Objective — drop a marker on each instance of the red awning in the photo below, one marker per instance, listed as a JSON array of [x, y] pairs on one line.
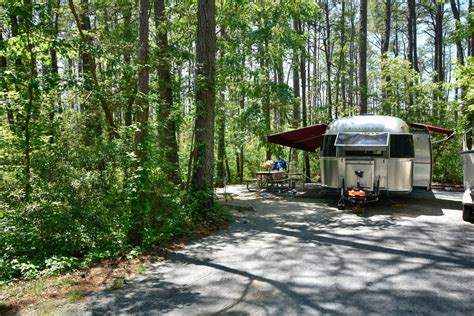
[[306, 138], [434, 129]]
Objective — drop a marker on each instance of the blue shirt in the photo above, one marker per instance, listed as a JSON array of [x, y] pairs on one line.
[[279, 164]]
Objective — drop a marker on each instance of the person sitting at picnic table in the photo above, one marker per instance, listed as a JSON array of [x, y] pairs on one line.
[[279, 164]]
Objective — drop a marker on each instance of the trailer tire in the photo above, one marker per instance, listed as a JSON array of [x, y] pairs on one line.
[[341, 205], [467, 213]]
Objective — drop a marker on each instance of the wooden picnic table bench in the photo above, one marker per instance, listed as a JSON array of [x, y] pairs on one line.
[[248, 181]]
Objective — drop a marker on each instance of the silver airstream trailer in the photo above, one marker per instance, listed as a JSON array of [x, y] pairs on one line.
[[362, 156], [467, 157]]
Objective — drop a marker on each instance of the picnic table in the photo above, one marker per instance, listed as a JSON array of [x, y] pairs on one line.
[[268, 178]]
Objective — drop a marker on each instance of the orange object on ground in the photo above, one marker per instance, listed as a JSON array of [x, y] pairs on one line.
[[357, 193]]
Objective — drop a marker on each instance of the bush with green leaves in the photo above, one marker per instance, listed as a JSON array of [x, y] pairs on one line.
[[80, 209]]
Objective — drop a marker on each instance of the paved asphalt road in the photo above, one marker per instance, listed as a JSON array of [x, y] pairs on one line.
[[295, 256]]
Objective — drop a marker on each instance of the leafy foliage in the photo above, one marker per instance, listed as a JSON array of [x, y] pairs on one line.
[[69, 188]]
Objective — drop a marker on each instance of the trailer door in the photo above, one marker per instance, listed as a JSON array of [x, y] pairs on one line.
[[422, 170]]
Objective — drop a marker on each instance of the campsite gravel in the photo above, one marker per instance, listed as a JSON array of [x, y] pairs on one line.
[[296, 255]]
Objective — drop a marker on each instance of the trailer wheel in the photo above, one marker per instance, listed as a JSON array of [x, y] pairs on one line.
[[467, 213], [340, 203]]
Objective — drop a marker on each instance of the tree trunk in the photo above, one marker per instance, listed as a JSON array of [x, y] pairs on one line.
[[3, 67], [237, 164], [227, 170], [29, 106], [396, 48], [303, 88], [471, 40], [309, 86], [266, 96], [296, 93], [296, 82], [281, 82], [85, 26], [340, 75], [221, 121], [142, 202], [241, 110], [388, 15], [438, 57], [18, 65], [167, 127], [468, 114], [315, 89], [363, 57], [54, 63], [88, 62], [412, 49], [128, 76], [353, 58], [385, 46], [414, 17], [459, 49], [203, 162], [410, 38], [438, 28], [410, 35], [143, 76], [221, 146], [328, 54], [55, 26], [304, 107]]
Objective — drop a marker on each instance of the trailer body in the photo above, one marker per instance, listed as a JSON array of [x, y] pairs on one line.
[[388, 156], [467, 158], [362, 156]]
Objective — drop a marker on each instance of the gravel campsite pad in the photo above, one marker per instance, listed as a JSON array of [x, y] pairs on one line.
[[289, 255]]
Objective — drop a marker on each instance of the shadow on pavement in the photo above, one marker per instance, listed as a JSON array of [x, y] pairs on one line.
[[143, 296], [288, 256], [417, 203]]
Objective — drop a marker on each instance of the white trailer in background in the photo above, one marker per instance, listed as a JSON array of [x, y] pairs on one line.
[[467, 157]]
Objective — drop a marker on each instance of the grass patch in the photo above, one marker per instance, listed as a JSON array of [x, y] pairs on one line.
[[118, 284], [75, 295], [15, 291], [139, 269], [48, 308]]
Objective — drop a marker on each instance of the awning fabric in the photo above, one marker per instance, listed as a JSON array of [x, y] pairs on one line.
[[306, 138], [435, 129]]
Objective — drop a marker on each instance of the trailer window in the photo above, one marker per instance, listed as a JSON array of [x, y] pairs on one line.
[[327, 148], [362, 139], [401, 146]]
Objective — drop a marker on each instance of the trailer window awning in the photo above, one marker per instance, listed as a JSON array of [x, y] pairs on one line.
[[434, 129], [306, 138]]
